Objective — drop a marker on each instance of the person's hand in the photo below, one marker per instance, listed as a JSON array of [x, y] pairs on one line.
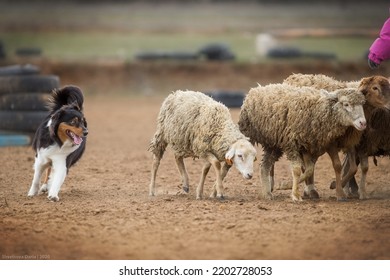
[[372, 64]]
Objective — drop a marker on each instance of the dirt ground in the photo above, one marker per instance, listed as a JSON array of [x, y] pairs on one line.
[[105, 211]]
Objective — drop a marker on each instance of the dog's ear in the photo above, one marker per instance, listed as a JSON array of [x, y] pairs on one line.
[[75, 106], [53, 122]]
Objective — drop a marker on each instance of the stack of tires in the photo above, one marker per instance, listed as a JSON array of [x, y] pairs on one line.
[[23, 96]]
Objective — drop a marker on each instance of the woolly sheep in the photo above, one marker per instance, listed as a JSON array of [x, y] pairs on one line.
[[196, 126], [375, 142], [300, 122], [319, 81], [376, 90]]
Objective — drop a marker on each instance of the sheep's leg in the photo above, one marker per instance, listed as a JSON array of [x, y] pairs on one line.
[[224, 171], [155, 165], [333, 154], [308, 176], [183, 173], [350, 187], [352, 184], [266, 168], [353, 187], [217, 167], [349, 169], [309, 168], [345, 168], [310, 188], [199, 189], [362, 186], [272, 177], [296, 168]]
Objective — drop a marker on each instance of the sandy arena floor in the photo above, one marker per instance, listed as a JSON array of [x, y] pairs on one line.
[[105, 211]]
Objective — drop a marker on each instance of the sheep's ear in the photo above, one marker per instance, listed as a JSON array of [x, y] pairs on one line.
[[229, 156], [333, 96]]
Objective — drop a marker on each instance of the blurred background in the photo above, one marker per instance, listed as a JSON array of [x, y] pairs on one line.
[[155, 46]]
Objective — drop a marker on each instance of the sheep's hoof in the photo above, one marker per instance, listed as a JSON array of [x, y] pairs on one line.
[[342, 199], [186, 189], [312, 194], [267, 196], [363, 196], [332, 185], [353, 194], [296, 198]]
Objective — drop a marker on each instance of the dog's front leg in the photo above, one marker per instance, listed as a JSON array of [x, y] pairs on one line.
[[58, 174], [39, 167]]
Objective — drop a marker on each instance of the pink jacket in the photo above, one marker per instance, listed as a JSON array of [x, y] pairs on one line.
[[380, 49]]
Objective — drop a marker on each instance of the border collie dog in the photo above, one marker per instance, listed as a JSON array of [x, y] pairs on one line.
[[59, 141]]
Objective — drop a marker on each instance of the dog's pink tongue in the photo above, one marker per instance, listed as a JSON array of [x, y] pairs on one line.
[[77, 140]]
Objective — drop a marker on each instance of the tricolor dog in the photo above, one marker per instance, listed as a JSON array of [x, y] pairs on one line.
[[59, 141]]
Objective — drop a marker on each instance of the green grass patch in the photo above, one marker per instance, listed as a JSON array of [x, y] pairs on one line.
[[124, 46]]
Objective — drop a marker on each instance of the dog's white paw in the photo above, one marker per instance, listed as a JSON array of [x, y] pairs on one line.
[[32, 192], [44, 188], [53, 198]]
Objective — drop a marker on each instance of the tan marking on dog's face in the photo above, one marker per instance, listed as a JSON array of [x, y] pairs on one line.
[[63, 127]]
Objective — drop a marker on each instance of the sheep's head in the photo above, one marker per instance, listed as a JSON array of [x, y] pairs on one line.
[[376, 89], [242, 154], [349, 103]]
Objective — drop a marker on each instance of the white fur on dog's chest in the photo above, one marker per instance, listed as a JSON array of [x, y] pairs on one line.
[[56, 152]]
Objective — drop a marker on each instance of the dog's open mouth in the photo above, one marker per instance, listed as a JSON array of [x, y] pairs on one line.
[[77, 140]]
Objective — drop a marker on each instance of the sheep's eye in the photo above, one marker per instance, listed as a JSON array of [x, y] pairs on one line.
[[375, 88], [346, 104], [240, 156]]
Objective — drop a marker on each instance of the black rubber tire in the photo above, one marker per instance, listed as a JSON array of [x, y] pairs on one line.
[[2, 51], [217, 52], [28, 83], [26, 69], [231, 99], [24, 101], [21, 121], [166, 56]]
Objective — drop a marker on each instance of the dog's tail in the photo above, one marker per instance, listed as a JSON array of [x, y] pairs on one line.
[[69, 95]]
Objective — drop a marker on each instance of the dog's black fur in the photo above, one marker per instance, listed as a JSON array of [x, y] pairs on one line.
[[59, 141], [64, 105]]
